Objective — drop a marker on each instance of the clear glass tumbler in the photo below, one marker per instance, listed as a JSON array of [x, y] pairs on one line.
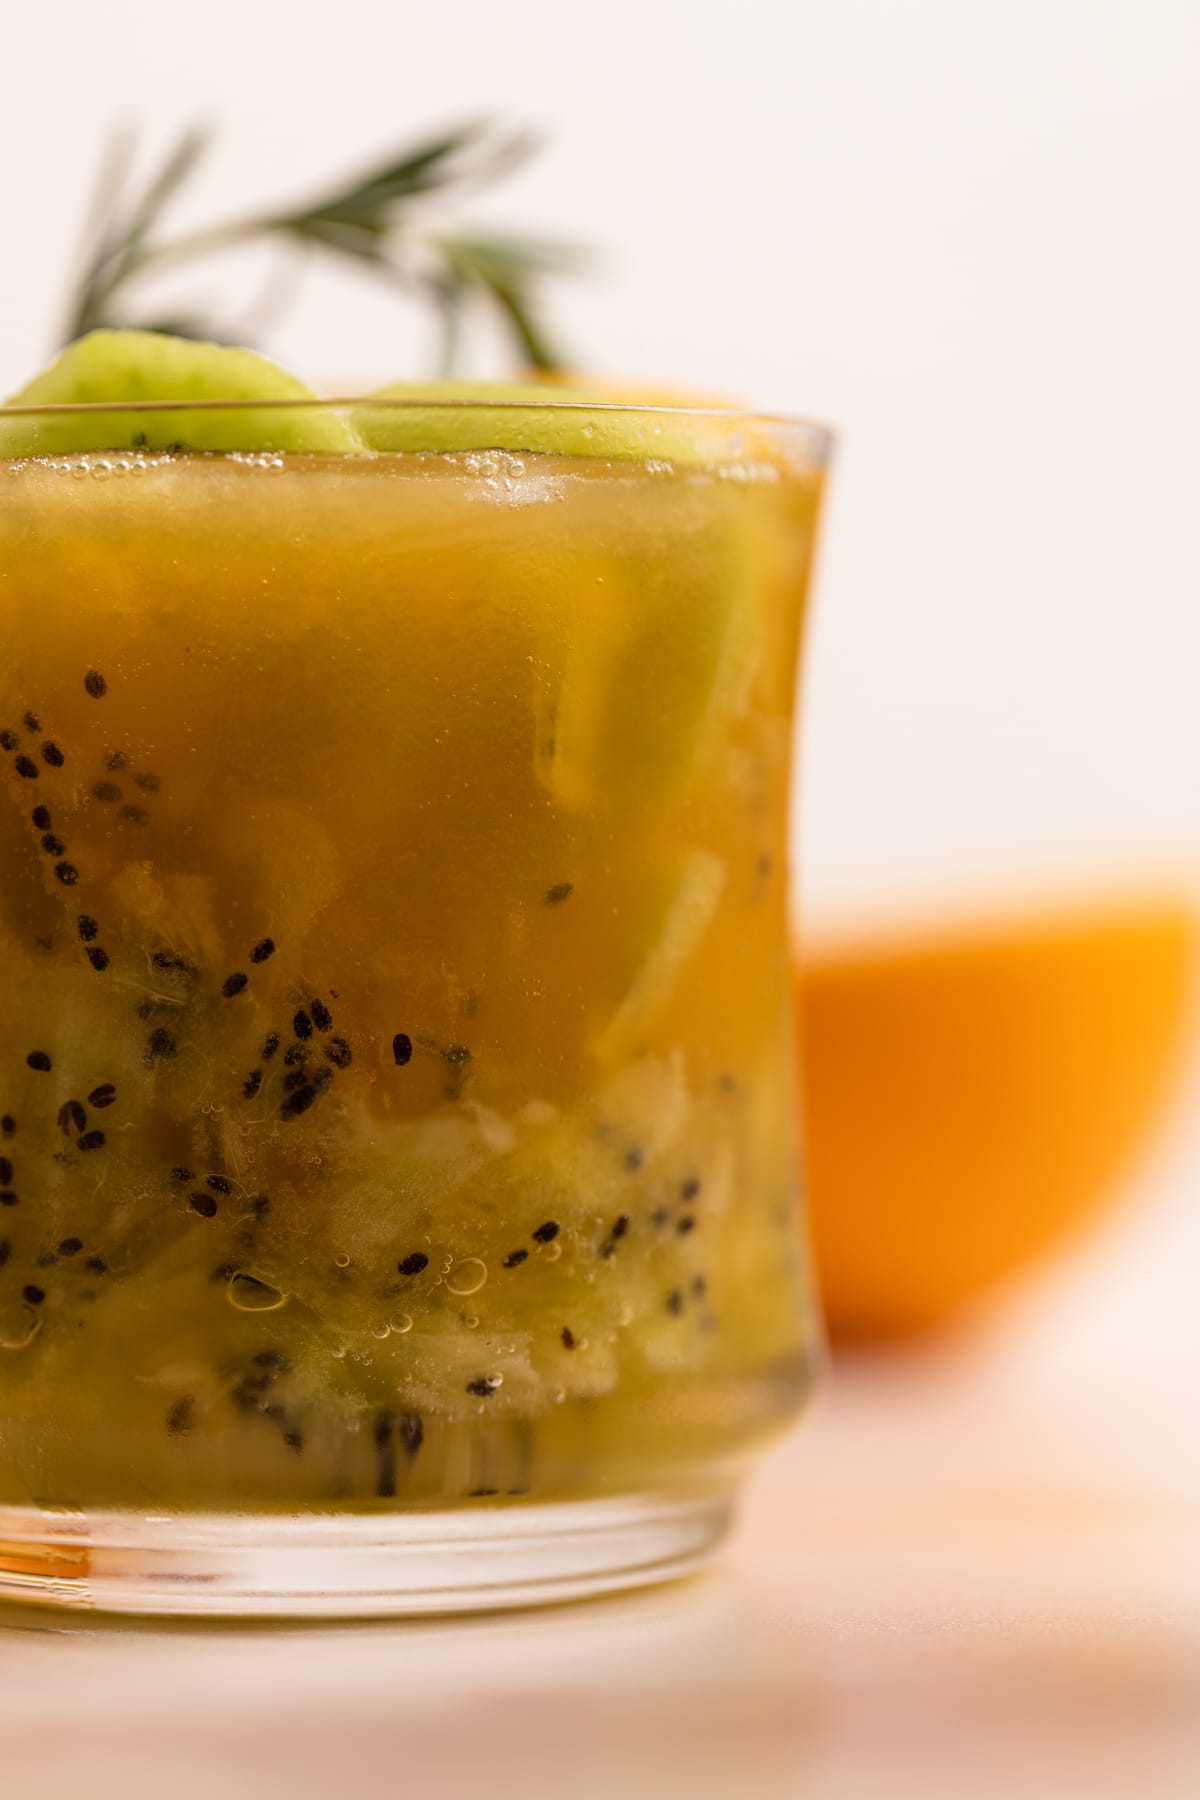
[[398, 1207]]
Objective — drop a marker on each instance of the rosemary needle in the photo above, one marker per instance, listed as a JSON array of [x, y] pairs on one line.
[[384, 221]]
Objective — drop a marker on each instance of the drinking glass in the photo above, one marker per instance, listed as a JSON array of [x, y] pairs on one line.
[[399, 1202]]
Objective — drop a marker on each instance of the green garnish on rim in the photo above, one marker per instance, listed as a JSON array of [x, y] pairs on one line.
[[386, 222], [111, 370]]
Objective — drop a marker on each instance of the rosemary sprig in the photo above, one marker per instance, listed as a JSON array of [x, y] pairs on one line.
[[380, 220]]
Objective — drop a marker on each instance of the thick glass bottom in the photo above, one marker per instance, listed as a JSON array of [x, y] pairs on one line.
[[352, 1565]]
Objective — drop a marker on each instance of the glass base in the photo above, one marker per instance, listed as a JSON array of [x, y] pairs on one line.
[[355, 1565]]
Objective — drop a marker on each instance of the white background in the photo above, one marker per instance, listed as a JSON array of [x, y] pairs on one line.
[[967, 234]]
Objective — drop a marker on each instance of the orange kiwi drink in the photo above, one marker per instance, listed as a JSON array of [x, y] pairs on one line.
[[395, 1079]]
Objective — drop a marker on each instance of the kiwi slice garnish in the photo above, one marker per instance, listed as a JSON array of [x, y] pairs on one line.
[[547, 418], [117, 369]]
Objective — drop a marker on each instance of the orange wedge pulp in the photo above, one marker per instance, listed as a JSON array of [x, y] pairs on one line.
[[969, 1098]]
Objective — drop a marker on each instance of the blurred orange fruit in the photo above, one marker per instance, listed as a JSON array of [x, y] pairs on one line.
[[968, 1099]]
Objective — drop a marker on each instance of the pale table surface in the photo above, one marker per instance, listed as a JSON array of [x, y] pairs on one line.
[[974, 1573]]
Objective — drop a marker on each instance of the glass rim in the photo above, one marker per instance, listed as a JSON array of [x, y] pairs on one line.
[[823, 437]]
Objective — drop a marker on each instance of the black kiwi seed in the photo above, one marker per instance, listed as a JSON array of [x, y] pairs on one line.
[[385, 1456], [220, 1184], [689, 1189], [31, 722], [182, 1175], [322, 1018], [8, 1125], [34, 1295], [338, 1052], [7, 1197], [26, 767], [53, 755], [88, 928], [41, 817], [148, 783], [118, 760], [299, 1102], [270, 1046], [172, 964], [104, 1095], [107, 792], [302, 1025], [159, 1044], [5, 1251], [262, 950], [322, 1079], [251, 1084], [71, 1116], [568, 1338], [295, 1056], [6, 1172], [137, 815], [686, 1224], [699, 1285], [620, 1226], [545, 1234], [96, 1265], [95, 684], [53, 846], [179, 1416], [295, 1080], [515, 1258], [562, 890], [401, 1049], [675, 1302], [97, 957], [67, 873], [37, 1059], [70, 1246], [204, 1204], [92, 1140], [8, 740], [233, 984], [248, 1389], [484, 1385], [413, 1264]]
